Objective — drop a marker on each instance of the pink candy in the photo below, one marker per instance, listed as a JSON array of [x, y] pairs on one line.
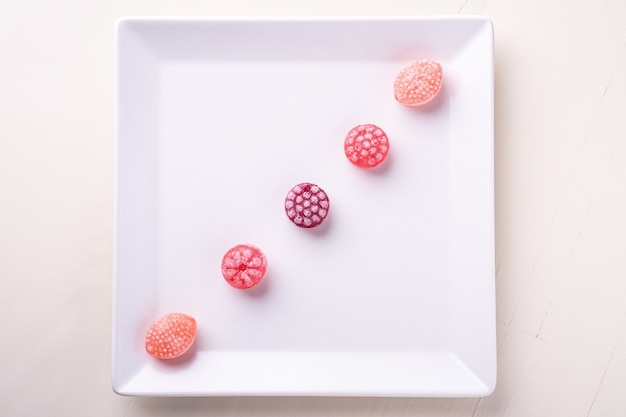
[[171, 335], [366, 146], [244, 266], [418, 83]]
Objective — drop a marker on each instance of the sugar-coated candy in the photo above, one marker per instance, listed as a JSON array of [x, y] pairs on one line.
[[307, 205], [418, 83], [171, 335], [366, 146], [244, 266]]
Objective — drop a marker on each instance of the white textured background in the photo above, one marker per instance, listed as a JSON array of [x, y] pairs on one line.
[[560, 209]]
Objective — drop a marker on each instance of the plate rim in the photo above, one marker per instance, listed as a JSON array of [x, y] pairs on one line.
[[123, 21]]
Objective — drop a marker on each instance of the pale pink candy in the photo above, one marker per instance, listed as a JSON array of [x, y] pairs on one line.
[[418, 83]]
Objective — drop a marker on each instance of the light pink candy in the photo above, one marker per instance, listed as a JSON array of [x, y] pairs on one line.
[[418, 83]]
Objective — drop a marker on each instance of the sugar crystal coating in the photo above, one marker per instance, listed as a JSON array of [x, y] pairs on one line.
[[171, 335], [306, 205], [418, 83], [366, 146], [244, 266]]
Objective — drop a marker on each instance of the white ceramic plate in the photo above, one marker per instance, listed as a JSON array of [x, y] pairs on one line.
[[217, 119]]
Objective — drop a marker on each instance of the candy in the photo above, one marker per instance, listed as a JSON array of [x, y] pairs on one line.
[[366, 146], [171, 335], [418, 83], [244, 266], [306, 205]]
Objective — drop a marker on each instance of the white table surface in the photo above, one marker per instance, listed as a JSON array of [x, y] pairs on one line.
[[560, 147]]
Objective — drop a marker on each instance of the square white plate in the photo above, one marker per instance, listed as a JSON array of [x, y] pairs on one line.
[[217, 119]]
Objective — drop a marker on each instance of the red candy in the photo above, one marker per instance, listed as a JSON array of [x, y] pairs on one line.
[[244, 266], [171, 335], [418, 83], [366, 146], [306, 205]]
